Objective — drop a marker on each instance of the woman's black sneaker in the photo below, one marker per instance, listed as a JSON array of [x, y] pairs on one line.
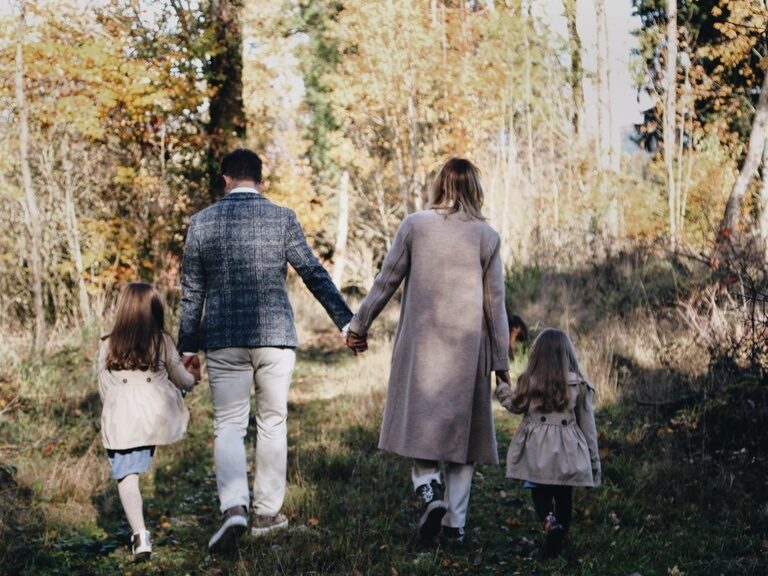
[[451, 536], [433, 509]]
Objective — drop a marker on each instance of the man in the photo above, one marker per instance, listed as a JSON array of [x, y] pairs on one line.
[[234, 267]]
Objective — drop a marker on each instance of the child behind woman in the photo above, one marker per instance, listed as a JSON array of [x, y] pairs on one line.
[[555, 447], [140, 378]]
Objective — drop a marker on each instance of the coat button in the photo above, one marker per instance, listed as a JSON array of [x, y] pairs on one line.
[[149, 379], [125, 380], [543, 418], [565, 422]]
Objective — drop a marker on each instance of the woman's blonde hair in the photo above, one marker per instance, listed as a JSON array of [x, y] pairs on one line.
[[545, 380], [457, 187], [137, 338]]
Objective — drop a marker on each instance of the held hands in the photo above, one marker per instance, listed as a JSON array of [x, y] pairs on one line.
[[192, 364], [504, 391], [355, 342]]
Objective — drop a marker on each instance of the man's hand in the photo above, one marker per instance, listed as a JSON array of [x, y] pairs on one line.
[[502, 376], [356, 343]]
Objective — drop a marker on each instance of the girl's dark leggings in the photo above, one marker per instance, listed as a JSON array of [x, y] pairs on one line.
[[556, 499]]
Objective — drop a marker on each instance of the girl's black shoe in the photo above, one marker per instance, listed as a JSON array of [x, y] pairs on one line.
[[553, 543]]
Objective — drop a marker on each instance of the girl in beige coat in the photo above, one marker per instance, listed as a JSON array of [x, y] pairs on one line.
[[452, 334], [555, 447], [140, 379]]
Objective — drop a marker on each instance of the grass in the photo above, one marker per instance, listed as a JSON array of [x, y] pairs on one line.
[[684, 487]]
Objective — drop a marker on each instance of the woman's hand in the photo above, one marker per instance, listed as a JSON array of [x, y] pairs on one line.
[[504, 391], [356, 343]]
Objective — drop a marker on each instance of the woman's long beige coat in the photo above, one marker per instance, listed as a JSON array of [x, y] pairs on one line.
[[452, 333]]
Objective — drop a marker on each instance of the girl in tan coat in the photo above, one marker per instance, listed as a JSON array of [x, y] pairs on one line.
[[452, 334], [140, 378], [555, 447]]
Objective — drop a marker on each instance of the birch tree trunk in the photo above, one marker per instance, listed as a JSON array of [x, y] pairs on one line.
[[763, 217], [603, 104], [342, 231], [73, 231], [670, 114], [751, 162], [31, 209]]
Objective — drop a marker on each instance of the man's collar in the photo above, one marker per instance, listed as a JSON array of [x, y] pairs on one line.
[[246, 189]]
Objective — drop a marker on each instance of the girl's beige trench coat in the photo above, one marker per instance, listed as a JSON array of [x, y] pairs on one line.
[[452, 334], [143, 407]]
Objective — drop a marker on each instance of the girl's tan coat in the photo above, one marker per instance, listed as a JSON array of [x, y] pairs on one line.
[[452, 333], [143, 407], [556, 447]]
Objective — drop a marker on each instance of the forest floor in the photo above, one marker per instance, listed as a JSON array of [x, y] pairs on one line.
[[670, 505], [684, 453]]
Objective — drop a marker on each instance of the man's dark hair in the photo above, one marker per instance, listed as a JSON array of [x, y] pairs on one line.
[[242, 164]]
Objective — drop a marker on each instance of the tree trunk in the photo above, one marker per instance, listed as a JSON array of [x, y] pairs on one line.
[[226, 127], [32, 211], [574, 43], [763, 217], [670, 115], [73, 231], [751, 163], [342, 230], [603, 104]]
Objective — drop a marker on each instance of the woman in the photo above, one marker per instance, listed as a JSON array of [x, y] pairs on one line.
[[452, 333]]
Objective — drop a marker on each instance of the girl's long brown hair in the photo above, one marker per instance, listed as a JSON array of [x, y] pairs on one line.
[[457, 187], [544, 383], [136, 340]]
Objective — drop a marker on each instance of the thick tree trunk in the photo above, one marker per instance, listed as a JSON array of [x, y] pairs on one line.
[[670, 115], [342, 231], [32, 211], [574, 43], [226, 127], [751, 163]]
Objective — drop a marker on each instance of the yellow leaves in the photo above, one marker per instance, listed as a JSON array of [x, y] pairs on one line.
[[124, 175]]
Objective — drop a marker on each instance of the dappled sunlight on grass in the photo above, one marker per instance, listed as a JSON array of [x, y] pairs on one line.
[[351, 508]]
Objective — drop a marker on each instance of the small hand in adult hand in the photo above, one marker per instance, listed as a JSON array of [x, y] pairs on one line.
[[192, 364], [356, 343], [503, 390]]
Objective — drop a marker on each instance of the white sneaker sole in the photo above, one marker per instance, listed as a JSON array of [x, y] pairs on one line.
[[227, 536], [259, 532]]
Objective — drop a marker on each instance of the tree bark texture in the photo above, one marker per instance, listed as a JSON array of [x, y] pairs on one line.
[[751, 163], [574, 43], [670, 115], [226, 127], [32, 210]]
